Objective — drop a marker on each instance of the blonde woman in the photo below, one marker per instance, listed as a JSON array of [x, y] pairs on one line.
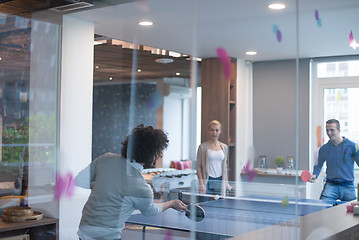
[[212, 163]]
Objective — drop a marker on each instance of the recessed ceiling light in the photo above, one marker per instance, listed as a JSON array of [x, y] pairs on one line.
[[110, 78], [145, 23], [164, 60], [139, 70], [97, 66], [276, 6], [251, 53], [177, 73]]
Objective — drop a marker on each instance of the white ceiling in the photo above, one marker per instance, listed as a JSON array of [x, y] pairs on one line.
[[198, 27]]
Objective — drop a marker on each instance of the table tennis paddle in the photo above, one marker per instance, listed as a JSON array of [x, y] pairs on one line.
[[195, 213], [305, 175]]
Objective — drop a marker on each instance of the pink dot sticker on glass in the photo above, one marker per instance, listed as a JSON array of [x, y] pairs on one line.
[[168, 235], [351, 38], [252, 173], [305, 175], [142, 5], [247, 167], [64, 186], [226, 62]]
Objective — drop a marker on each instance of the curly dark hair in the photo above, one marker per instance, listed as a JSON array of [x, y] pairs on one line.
[[145, 145]]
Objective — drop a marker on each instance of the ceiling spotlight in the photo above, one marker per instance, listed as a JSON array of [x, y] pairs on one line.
[[145, 23], [139, 70], [110, 78], [251, 53], [97, 66], [276, 6], [177, 73], [164, 60]]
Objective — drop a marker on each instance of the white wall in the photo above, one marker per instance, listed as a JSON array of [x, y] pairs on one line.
[[176, 119]]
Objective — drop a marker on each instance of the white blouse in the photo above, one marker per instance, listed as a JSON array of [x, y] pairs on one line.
[[215, 159]]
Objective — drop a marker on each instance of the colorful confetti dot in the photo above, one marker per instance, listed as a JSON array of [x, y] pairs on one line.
[[247, 167], [285, 202], [316, 14], [64, 186], [142, 5], [226, 62], [319, 23], [351, 38], [252, 173], [168, 235], [279, 36], [275, 28]]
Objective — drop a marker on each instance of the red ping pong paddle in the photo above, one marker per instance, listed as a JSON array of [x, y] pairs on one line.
[[198, 215], [305, 175]]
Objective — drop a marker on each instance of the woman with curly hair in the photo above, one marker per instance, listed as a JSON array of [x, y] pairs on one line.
[[118, 187]]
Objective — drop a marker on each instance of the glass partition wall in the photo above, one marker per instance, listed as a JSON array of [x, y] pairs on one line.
[[77, 79]]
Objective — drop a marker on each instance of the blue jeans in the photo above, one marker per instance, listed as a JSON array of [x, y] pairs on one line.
[[214, 186], [334, 192]]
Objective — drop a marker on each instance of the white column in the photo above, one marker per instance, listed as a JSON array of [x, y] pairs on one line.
[[244, 104], [75, 115]]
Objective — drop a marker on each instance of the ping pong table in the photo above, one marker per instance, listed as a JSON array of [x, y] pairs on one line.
[[234, 216]]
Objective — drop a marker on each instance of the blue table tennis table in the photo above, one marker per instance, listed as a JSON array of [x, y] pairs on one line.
[[234, 216]]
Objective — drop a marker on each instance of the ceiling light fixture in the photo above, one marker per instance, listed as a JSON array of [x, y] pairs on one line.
[[276, 6], [251, 53], [164, 60], [139, 70], [145, 23], [110, 78], [177, 73]]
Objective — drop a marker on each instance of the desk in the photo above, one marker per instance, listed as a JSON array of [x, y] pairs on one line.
[[232, 217], [45, 228]]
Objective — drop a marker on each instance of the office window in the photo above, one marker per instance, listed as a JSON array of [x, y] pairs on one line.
[[338, 69]]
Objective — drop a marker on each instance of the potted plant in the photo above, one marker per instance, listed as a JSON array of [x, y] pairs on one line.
[[279, 161]]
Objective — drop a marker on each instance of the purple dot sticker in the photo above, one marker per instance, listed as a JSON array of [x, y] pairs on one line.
[[279, 36], [316, 14], [226, 62]]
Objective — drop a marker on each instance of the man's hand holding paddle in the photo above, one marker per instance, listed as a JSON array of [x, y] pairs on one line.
[[175, 204]]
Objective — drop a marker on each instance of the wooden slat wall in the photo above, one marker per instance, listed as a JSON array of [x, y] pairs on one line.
[[218, 103]]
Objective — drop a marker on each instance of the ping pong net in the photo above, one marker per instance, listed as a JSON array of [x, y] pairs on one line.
[[252, 202]]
